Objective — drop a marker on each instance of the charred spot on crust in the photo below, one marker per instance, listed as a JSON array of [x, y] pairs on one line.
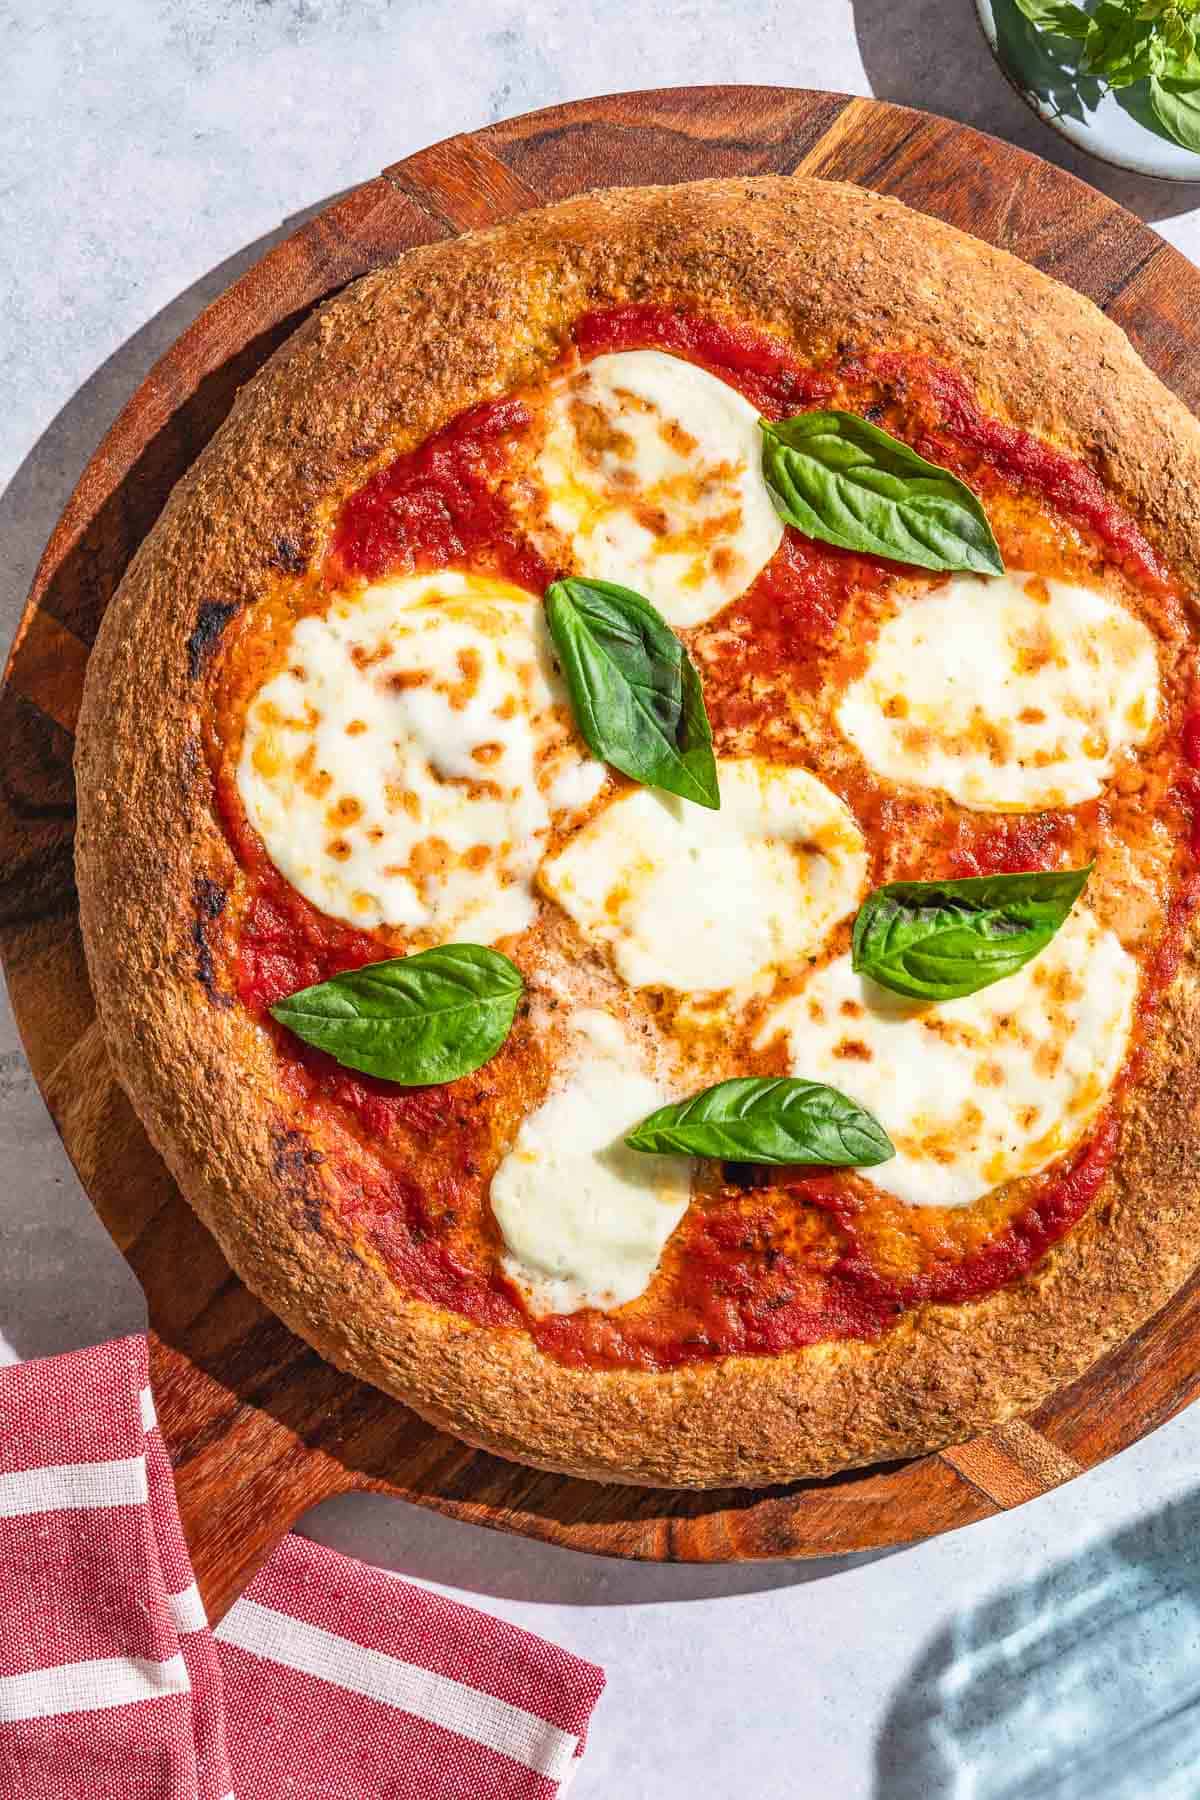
[[211, 619], [293, 1164], [208, 898], [290, 555]]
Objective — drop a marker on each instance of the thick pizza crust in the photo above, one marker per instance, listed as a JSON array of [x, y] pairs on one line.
[[826, 267]]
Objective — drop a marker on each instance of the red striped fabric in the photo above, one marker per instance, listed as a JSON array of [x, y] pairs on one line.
[[327, 1680]]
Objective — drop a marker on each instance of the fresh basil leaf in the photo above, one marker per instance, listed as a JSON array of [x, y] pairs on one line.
[[938, 940], [415, 1020], [1176, 106], [1119, 45], [839, 478], [1179, 66], [1179, 40], [767, 1120], [1057, 16], [634, 689]]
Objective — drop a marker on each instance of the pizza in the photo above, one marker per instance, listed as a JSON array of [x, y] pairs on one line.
[[638, 838]]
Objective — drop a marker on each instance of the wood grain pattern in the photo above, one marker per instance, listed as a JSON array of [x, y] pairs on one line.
[[463, 184], [259, 1428], [1012, 1464]]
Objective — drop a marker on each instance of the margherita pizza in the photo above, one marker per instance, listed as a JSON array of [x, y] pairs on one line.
[[637, 845]]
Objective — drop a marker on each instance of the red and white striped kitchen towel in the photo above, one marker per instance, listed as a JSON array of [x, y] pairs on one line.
[[327, 1680]]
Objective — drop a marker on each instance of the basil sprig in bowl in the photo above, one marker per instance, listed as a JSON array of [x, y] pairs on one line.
[[1118, 78]]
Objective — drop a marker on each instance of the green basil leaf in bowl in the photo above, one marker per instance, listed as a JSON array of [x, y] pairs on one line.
[[415, 1020], [939, 940], [634, 689], [767, 1119], [1176, 106], [839, 478], [1060, 17]]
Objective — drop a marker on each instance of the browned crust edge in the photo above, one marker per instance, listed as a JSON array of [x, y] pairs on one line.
[[374, 371]]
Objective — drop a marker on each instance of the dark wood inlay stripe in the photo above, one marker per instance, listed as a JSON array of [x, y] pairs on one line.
[[992, 190], [463, 185], [664, 136], [1012, 1464], [47, 668]]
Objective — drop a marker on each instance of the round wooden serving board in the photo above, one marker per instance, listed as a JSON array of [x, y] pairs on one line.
[[258, 1426]]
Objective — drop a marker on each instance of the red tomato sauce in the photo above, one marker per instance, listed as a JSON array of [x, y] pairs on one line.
[[739, 1293], [436, 507], [756, 365], [1068, 485], [739, 1276], [939, 405], [1187, 781], [393, 1212]]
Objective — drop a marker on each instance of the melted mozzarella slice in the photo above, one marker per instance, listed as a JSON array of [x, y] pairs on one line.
[[584, 1220], [978, 1091], [652, 471], [404, 768], [700, 901], [1008, 693]]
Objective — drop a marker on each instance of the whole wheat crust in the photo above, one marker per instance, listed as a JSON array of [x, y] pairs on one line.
[[824, 266]]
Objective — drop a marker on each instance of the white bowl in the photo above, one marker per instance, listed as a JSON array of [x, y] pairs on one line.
[[1118, 128]]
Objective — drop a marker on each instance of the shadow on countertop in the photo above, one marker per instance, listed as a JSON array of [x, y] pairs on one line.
[[1081, 1682], [421, 1544], [52, 1238], [32, 502]]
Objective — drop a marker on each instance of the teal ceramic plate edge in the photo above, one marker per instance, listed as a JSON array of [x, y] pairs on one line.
[[1116, 128]]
